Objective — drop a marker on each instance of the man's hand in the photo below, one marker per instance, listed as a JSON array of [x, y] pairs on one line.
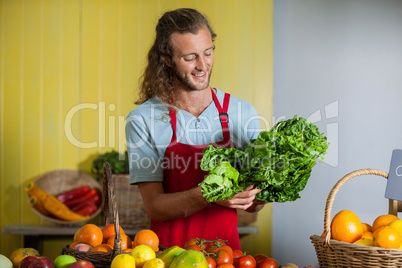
[[243, 200]]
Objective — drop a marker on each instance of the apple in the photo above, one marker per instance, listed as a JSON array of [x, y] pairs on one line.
[[63, 261], [42, 262], [81, 264], [83, 247], [27, 261]]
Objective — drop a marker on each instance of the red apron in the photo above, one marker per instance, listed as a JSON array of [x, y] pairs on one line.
[[213, 221]]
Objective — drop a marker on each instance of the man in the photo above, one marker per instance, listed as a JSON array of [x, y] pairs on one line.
[[178, 116]]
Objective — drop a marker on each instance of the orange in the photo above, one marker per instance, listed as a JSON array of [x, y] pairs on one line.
[[102, 248], [125, 241], [147, 237], [368, 235], [346, 226], [386, 237], [323, 234], [109, 231], [383, 220], [366, 227], [89, 234], [128, 250]]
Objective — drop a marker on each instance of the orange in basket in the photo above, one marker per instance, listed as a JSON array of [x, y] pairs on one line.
[[383, 220], [346, 226], [109, 231], [125, 241], [89, 234], [366, 227], [386, 237], [102, 248]]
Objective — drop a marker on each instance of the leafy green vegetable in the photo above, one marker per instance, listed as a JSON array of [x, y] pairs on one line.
[[279, 161], [220, 183]]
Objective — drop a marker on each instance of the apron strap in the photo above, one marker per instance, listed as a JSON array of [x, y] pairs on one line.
[[172, 114], [223, 114]]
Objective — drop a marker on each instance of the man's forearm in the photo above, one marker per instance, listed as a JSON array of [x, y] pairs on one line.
[[168, 206]]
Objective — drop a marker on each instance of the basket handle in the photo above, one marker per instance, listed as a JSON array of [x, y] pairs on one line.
[[334, 191], [109, 204]]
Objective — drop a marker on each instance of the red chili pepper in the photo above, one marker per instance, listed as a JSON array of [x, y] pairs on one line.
[[88, 210], [73, 202], [74, 193], [93, 200]]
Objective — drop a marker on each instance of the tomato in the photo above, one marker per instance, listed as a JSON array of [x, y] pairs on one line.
[[221, 241], [213, 248], [197, 248], [211, 262], [269, 263], [246, 261], [237, 253], [259, 258], [225, 265], [195, 241], [223, 256]]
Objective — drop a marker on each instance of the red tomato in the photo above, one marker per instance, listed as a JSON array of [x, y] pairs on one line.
[[194, 247], [259, 258], [269, 263], [223, 256], [225, 265], [246, 261], [221, 241], [198, 248], [211, 262], [195, 241], [213, 248], [237, 253]]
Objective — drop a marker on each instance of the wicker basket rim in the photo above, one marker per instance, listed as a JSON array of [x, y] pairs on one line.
[[335, 189]]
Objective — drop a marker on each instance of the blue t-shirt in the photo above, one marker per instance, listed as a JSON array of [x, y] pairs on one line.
[[149, 132]]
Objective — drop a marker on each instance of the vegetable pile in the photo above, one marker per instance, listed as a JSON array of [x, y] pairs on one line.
[[73, 205], [279, 162]]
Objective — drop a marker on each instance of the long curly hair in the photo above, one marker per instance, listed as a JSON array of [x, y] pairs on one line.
[[158, 77]]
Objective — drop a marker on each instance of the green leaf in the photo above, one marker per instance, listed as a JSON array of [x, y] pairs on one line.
[[279, 161]]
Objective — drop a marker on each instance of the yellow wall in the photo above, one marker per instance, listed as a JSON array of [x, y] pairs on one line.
[[68, 71]]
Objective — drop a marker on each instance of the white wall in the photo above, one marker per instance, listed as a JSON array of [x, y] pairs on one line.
[[341, 60]]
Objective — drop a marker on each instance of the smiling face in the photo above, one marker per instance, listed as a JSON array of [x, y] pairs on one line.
[[193, 58]]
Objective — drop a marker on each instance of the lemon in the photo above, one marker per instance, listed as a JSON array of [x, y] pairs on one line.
[[142, 254], [365, 242], [154, 263], [397, 225], [123, 261]]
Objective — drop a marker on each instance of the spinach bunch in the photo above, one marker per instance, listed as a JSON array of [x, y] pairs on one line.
[[279, 162]]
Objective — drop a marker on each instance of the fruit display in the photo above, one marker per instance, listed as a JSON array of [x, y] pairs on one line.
[[385, 231], [73, 205], [143, 251]]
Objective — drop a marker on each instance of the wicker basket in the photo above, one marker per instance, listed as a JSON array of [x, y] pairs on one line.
[[333, 253], [61, 180], [103, 259], [129, 203], [245, 218]]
